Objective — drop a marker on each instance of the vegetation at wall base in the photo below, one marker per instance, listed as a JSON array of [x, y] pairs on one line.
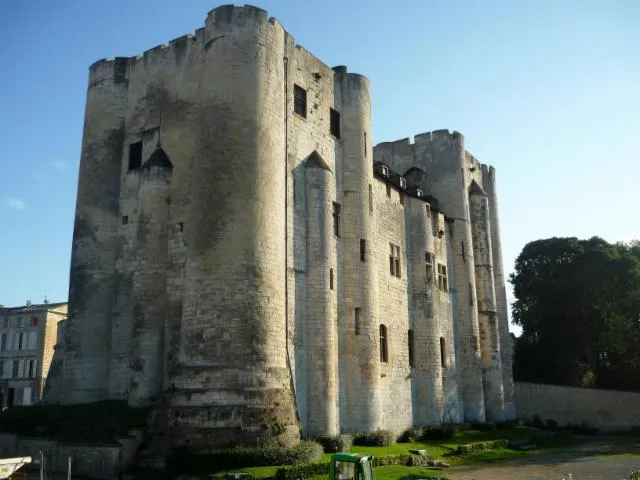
[[98, 422], [186, 462], [379, 438], [336, 443]]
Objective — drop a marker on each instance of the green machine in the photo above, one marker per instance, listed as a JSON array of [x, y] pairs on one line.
[[351, 466]]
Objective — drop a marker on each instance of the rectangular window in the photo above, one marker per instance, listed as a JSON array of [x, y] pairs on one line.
[[7, 368], [300, 101], [181, 226], [3, 342], [21, 343], [32, 368], [335, 123], [35, 321], [384, 346], [442, 278], [26, 396], [394, 260], [7, 323], [331, 278], [357, 321], [135, 155], [16, 364], [443, 353], [20, 322], [388, 190], [410, 340], [336, 219], [125, 220], [428, 260], [401, 198], [33, 340], [365, 144], [363, 250]]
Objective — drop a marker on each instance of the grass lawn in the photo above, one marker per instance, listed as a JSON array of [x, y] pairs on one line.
[[445, 450]]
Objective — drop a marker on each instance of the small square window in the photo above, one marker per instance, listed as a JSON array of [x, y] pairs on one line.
[[35, 321], [335, 123], [300, 101]]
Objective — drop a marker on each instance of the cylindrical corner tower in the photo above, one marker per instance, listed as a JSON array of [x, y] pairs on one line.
[[322, 418], [232, 382], [360, 283], [93, 277], [150, 280], [486, 300]]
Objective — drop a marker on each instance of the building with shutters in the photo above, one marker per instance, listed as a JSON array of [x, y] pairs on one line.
[[28, 335]]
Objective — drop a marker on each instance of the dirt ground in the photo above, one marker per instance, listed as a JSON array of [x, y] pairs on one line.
[[602, 459]]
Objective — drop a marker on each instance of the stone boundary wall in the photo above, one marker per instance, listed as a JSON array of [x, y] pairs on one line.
[[100, 462], [608, 410]]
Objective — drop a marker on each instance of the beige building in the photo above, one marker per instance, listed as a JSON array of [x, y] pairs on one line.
[[247, 261], [28, 335]]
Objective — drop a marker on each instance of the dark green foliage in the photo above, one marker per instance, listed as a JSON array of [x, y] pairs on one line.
[[634, 475], [439, 433], [411, 435], [483, 426], [337, 443], [552, 424], [582, 429], [577, 302], [301, 472], [477, 446], [379, 438], [183, 461], [99, 422]]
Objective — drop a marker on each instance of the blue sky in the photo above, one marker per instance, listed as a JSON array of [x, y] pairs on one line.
[[547, 91]]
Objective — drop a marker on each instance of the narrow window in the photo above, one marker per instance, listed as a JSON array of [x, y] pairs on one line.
[[21, 342], [394, 260], [3, 342], [434, 223], [357, 321], [428, 260], [15, 368], [443, 353], [428, 207], [300, 101], [365, 144], [370, 199], [125, 220], [464, 256], [135, 155], [335, 123], [181, 226], [410, 340], [384, 352], [31, 372], [363, 250], [442, 278], [331, 278], [6, 322], [336, 219], [401, 198], [20, 322], [35, 321], [388, 190]]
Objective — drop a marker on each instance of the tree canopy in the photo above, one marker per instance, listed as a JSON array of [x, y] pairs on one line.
[[578, 303]]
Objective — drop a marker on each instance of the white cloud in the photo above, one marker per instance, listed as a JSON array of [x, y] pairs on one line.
[[16, 203], [59, 164]]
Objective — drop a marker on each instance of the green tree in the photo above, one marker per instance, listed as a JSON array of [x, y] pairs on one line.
[[578, 303]]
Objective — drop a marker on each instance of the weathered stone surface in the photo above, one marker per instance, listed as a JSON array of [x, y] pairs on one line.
[[244, 276]]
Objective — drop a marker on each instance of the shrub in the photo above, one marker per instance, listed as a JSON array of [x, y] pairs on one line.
[[187, 462], [379, 438], [484, 426], [410, 435], [440, 432], [489, 445], [582, 429], [300, 472], [336, 443], [537, 422], [552, 424], [634, 475]]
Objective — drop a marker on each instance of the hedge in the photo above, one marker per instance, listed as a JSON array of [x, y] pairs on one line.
[[379, 438], [488, 445], [336, 443]]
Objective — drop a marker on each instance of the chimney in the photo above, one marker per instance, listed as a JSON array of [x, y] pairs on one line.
[[28, 303]]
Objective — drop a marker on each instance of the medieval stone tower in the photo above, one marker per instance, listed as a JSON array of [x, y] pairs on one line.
[[243, 255]]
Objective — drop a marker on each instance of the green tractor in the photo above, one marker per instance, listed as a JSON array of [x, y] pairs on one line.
[[351, 466]]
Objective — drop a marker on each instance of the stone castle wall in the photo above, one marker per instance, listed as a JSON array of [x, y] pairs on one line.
[[240, 267]]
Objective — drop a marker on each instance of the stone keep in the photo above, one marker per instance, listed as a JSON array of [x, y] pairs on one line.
[[244, 257]]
